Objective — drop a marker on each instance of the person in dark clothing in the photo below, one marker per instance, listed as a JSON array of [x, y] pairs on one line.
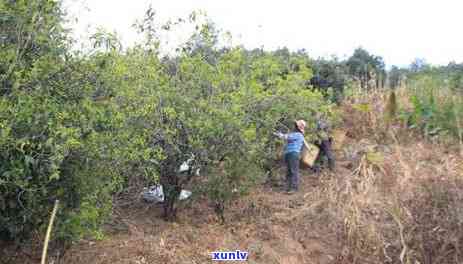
[[324, 143], [295, 142]]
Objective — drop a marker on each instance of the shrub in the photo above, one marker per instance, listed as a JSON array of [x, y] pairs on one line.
[[82, 127]]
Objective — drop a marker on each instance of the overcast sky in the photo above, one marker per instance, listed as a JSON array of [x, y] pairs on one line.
[[398, 30]]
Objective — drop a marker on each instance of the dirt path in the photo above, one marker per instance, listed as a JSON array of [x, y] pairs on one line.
[[272, 226]]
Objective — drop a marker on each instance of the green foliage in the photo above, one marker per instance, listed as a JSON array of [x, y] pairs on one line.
[[80, 128], [366, 67], [56, 141], [333, 70], [395, 77], [231, 179], [30, 33], [332, 73], [437, 107]]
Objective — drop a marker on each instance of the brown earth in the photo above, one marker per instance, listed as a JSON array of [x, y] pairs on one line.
[[272, 226]]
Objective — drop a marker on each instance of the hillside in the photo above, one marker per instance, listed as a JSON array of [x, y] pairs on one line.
[[387, 201], [84, 129]]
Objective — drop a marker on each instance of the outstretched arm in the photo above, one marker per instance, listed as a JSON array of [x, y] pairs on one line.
[[281, 135]]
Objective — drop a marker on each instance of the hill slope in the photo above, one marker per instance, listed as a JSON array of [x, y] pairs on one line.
[[390, 199]]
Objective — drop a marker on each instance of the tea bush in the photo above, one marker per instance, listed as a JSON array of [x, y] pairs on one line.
[[80, 127]]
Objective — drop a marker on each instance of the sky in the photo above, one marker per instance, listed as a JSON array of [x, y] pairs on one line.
[[397, 30]]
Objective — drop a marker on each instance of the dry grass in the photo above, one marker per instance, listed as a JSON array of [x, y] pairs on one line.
[[402, 201], [393, 198]]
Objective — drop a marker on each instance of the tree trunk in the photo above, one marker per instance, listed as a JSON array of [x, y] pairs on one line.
[[171, 188], [362, 82], [171, 194]]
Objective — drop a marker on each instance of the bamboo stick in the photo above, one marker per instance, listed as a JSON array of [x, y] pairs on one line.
[[47, 237]]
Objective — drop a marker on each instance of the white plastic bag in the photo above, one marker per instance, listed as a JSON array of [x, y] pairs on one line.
[[155, 194]]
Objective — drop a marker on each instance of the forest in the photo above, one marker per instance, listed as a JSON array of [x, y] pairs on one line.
[[91, 128]]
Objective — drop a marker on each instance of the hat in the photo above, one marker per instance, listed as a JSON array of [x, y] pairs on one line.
[[300, 124]]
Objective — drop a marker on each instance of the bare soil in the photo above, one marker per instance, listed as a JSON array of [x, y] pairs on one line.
[[273, 226], [270, 224]]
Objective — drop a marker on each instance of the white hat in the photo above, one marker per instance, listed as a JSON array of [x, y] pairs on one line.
[[300, 124]]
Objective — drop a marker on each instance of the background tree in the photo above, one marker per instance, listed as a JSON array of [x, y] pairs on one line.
[[366, 67], [330, 74], [395, 77], [418, 65], [83, 127]]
